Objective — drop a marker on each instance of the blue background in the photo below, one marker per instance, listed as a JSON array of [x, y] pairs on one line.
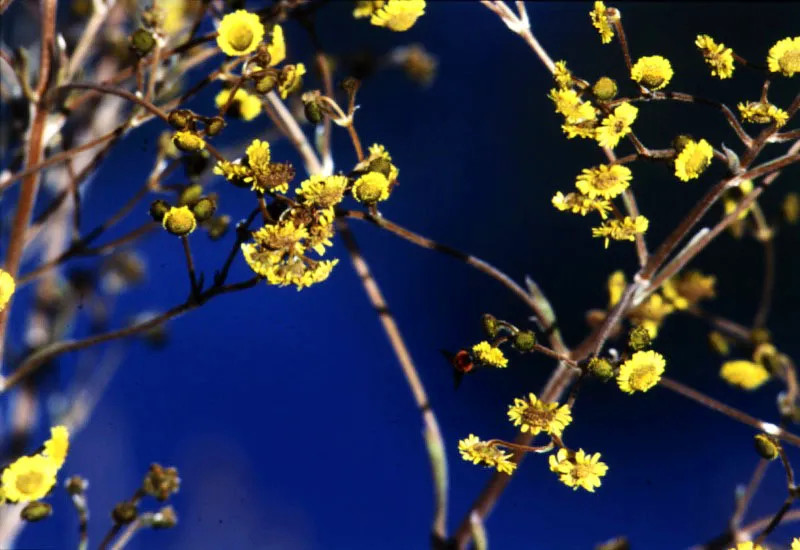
[[287, 413]]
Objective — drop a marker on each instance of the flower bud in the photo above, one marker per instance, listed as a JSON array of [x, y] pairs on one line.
[[214, 125], [791, 208], [181, 119], [179, 221], [190, 195], [204, 209], [680, 142], [188, 142], [76, 485], [489, 323], [142, 42], [766, 447], [124, 513], [601, 369], [266, 84], [760, 336], [605, 89], [161, 482], [719, 343], [218, 227], [639, 338], [524, 340], [36, 511], [166, 518], [158, 209], [312, 111]]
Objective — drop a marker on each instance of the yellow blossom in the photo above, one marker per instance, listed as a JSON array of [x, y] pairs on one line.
[[7, 288], [290, 79], [616, 287], [653, 72], [234, 172], [796, 544], [277, 46], [790, 208], [259, 156], [600, 21], [586, 129], [245, 104], [474, 450], [569, 104], [535, 416], [688, 289], [284, 235], [370, 188], [179, 221], [762, 113], [29, 478], [749, 545], [641, 372], [379, 160], [57, 446], [605, 181], [239, 33], [323, 192], [581, 204], [693, 159], [784, 56], [747, 375], [489, 355], [398, 15], [188, 142], [616, 126], [579, 469], [717, 56], [562, 75], [365, 8], [625, 230]]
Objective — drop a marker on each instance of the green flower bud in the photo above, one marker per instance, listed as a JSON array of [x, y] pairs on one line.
[[639, 338], [218, 227], [267, 84], [142, 42], [312, 111], [190, 195], [36, 511], [76, 485], [719, 343], [124, 513], [680, 142], [158, 209], [524, 340], [188, 142], [489, 325], [380, 165], [605, 89], [215, 125], [601, 369], [204, 209], [766, 447], [181, 119]]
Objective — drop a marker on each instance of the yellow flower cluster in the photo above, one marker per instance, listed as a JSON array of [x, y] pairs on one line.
[[245, 104], [641, 372], [693, 159], [688, 289], [616, 126], [625, 229], [717, 56], [762, 113], [240, 33], [490, 355], [578, 469], [653, 72], [377, 176], [7, 288], [601, 22], [30, 478], [257, 170], [474, 450], [784, 57], [534, 415], [395, 15]]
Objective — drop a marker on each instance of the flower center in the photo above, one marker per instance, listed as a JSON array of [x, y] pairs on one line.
[[582, 471], [29, 482], [790, 61], [643, 378], [605, 181], [537, 418], [241, 37], [402, 21], [698, 162]]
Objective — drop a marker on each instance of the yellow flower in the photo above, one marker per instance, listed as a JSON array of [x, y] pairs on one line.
[[365, 8], [370, 188], [379, 160], [57, 446], [641, 372], [291, 79], [762, 113], [693, 159], [245, 104], [476, 451], [625, 230], [586, 129], [398, 15], [784, 57], [7, 288], [604, 181], [745, 374], [790, 208], [653, 72], [616, 287], [616, 126], [179, 221], [29, 478], [796, 544], [489, 355], [562, 75], [324, 192], [570, 105], [688, 289], [259, 156], [581, 204], [188, 142], [717, 56], [536, 416], [277, 46], [601, 22], [234, 172], [748, 545], [579, 470], [284, 235], [239, 33]]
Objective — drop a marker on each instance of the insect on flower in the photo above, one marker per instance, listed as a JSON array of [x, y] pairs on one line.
[[462, 363]]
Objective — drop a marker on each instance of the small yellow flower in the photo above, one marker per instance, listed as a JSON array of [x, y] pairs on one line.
[[586, 129], [653, 72], [693, 159], [616, 288], [7, 288], [259, 156], [245, 104], [641, 372], [398, 15], [489, 355], [569, 104], [784, 57], [562, 75], [365, 8], [277, 46], [604, 181], [179, 221], [581, 204], [796, 544], [239, 33], [745, 374], [688, 289], [536, 416], [476, 451], [616, 126], [762, 113], [290, 79], [57, 446], [717, 56], [625, 230], [790, 208], [579, 470], [188, 142], [284, 235], [323, 192], [29, 478], [370, 188], [600, 21], [748, 545]]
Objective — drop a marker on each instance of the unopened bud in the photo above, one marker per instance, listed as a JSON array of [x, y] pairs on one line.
[[180, 119], [524, 340], [215, 125], [158, 209], [680, 142], [36, 511], [142, 42], [639, 338], [204, 209], [719, 343], [190, 195], [605, 89], [124, 513], [218, 227], [601, 368], [766, 447], [266, 84], [166, 518], [489, 323]]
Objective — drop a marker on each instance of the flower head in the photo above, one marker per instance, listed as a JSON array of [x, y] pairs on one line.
[[616, 126], [323, 192], [7, 288], [398, 15], [489, 355], [562, 75], [616, 288], [586, 129], [604, 181], [188, 142], [688, 289], [651, 313], [745, 374], [762, 113], [749, 545], [179, 221], [653, 72], [29, 478], [717, 56], [693, 159], [796, 544], [476, 451], [277, 46], [624, 230], [239, 33], [581, 204], [244, 104], [784, 56], [535, 416], [641, 372], [601, 22], [370, 188], [57, 446], [569, 104], [579, 469], [290, 79]]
